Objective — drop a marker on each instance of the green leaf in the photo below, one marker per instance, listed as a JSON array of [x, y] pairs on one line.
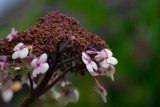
[[23, 69]]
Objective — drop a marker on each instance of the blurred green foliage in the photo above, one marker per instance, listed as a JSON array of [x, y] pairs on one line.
[[132, 30]]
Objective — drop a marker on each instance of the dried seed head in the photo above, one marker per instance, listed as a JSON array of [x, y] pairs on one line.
[[50, 32]]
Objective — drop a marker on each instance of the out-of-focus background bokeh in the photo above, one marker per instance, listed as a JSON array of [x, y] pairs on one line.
[[130, 27]]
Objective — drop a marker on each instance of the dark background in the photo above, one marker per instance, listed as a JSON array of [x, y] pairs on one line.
[[130, 27]]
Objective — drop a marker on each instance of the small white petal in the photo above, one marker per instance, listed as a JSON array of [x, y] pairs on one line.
[[109, 52], [23, 53], [7, 95], [43, 58], [18, 46], [112, 60], [85, 60], [90, 68], [84, 55], [34, 63], [94, 65], [15, 55], [104, 63], [43, 68], [35, 72]]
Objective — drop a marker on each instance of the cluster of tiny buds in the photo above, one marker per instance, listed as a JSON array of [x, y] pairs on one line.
[[98, 63]]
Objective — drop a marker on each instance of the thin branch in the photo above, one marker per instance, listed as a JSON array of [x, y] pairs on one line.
[[31, 82], [68, 60], [47, 76], [56, 80]]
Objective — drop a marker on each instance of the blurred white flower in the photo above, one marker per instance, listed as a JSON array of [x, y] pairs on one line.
[[67, 93], [40, 65], [20, 51], [7, 95]]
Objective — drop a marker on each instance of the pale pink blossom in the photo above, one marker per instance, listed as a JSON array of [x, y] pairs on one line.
[[20, 51], [90, 65], [40, 65], [105, 58], [12, 34]]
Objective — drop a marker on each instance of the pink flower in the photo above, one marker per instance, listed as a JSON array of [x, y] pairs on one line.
[[40, 65], [105, 58], [12, 34], [20, 51], [90, 65]]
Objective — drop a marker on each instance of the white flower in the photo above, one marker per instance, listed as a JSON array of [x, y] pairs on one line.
[[90, 65], [12, 34], [101, 91], [7, 95], [20, 51], [105, 58], [40, 65], [68, 93]]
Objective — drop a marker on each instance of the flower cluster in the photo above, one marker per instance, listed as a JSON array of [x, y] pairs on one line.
[[100, 63], [103, 65], [42, 56]]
